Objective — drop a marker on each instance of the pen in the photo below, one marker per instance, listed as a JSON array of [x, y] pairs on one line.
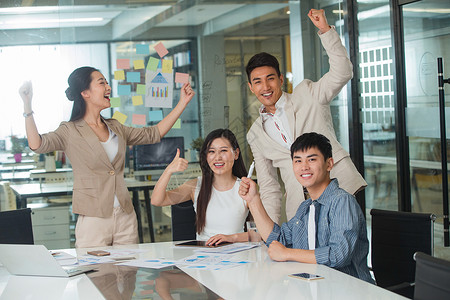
[[250, 171]]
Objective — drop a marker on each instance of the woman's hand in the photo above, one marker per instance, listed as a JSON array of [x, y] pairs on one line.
[[26, 92], [186, 93], [220, 238], [178, 164]]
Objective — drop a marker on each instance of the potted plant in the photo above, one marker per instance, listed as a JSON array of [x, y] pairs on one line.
[[17, 148], [197, 145]]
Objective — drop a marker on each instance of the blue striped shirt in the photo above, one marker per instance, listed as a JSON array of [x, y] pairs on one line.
[[341, 232]]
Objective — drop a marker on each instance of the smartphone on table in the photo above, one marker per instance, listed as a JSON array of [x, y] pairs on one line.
[[306, 276]]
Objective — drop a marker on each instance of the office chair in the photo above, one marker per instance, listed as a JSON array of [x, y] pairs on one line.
[[183, 221], [16, 227], [396, 236], [432, 277]]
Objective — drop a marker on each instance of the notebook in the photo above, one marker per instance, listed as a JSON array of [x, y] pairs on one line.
[[35, 260]]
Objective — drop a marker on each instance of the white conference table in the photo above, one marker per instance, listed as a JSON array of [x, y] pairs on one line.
[[262, 279]]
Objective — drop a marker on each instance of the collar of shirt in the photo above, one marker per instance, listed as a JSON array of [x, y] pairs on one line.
[[279, 108], [325, 198]]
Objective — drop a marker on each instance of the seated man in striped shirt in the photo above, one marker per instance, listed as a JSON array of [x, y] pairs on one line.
[[334, 233]]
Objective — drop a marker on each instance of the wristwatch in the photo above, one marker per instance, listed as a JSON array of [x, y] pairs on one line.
[[26, 115]]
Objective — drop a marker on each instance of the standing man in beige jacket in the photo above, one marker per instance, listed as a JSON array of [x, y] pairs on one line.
[[283, 117]]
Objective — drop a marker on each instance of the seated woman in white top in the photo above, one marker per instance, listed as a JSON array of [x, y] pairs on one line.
[[221, 213]]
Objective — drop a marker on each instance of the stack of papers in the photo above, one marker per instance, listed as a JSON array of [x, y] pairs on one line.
[[228, 249], [198, 261]]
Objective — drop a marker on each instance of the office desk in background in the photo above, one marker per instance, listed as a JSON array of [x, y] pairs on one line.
[[261, 279], [31, 190]]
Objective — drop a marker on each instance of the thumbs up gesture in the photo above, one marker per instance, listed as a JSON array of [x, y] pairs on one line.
[[178, 164]]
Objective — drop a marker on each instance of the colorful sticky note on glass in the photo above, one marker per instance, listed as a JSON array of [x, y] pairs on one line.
[[138, 120], [115, 101], [124, 89], [152, 64], [119, 117], [177, 124], [139, 64], [142, 49], [137, 100], [155, 115], [160, 49], [167, 65], [119, 75], [123, 63], [181, 77], [133, 77], [140, 89]]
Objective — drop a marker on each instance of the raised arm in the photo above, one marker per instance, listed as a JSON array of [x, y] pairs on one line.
[[186, 96], [26, 93], [317, 16], [269, 187], [161, 197], [248, 192], [341, 68]]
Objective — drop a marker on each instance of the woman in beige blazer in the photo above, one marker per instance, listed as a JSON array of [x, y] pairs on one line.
[[96, 148]]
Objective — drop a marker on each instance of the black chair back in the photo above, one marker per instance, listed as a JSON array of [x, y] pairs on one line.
[[15, 227], [183, 221], [396, 236], [432, 278]]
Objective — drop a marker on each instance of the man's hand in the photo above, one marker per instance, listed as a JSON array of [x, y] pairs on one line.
[[277, 251], [317, 16], [178, 164], [247, 189]]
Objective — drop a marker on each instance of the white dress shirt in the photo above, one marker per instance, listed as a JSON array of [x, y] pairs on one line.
[[276, 125]]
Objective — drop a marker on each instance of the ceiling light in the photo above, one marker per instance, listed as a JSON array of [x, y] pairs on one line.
[[42, 21]]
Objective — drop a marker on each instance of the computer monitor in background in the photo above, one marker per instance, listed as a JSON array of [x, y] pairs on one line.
[[152, 159]]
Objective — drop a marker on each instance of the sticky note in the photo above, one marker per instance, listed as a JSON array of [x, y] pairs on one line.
[[140, 89], [155, 115], [139, 64], [152, 64], [119, 75], [115, 101], [123, 63], [124, 89], [119, 117], [142, 49], [133, 77], [138, 119], [137, 100], [167, 65], [181, 77], [160, 49], [177, 124]]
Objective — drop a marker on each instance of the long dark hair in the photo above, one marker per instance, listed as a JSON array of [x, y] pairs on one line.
[[79, 81], [238, 170]]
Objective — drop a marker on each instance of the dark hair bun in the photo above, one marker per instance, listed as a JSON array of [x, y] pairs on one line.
[[69, 94]]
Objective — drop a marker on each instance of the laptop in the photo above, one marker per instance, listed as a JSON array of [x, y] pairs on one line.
[[35, 260]]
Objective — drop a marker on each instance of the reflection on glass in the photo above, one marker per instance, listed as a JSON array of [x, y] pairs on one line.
[[427, 36], [377, 104], [125, 282]]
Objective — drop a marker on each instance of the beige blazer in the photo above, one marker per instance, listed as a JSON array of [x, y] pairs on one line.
[[96, 179], [307, 110]]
